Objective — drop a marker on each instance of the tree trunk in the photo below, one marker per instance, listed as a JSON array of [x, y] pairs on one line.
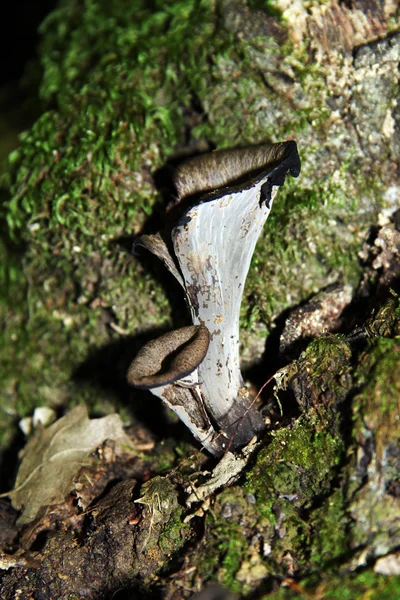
[[314, 508]]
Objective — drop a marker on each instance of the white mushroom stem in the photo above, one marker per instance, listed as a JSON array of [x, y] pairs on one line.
[[168, 367], [188, 404], [212, 246]]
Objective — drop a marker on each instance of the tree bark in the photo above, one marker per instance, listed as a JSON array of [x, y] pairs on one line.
[[316, 508]]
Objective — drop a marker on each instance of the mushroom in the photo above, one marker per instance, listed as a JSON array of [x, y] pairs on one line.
[[168, 367], [170, 357], [224, 199]]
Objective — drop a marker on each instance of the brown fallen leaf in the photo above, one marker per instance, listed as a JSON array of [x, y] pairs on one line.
[[53, 457]]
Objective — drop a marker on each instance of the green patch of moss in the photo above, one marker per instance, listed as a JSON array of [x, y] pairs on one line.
[[324, 374], [233, 548], [378, 369], [394, 22], [298, 463], [123, 89], [229, 524], [346, 586], [326, 354], [288, 476], [174, 533], [379, 375], [329, 538], [299, 251], [224, 553], [357, 587], [81, 180]]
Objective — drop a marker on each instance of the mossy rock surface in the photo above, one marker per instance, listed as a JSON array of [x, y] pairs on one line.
[[126, 89]]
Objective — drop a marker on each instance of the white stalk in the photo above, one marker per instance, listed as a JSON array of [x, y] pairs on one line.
[[212, 245]]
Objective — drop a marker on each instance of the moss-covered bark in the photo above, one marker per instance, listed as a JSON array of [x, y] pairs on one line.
[[127, 86], [317, 510]]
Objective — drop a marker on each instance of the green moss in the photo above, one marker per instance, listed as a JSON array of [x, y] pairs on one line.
[[325, 368], [123, 88], [346, 586], [233, 548], [386, 321], [295, 469], [224, 554], [375, 417], [289, 475], [357, 587], [394, 22], [81, 179], [297, 462], [174, 533], [379, 375], [299, 251], [229, 523], [328, 353], [329, 539]]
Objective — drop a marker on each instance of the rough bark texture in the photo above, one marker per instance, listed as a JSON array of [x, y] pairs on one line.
[[316, 511]]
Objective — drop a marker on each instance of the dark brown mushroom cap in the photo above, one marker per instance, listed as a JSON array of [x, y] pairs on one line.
[[170, 357], [237, 166]]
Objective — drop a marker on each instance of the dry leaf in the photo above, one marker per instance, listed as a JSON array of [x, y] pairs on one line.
[[54, 455]]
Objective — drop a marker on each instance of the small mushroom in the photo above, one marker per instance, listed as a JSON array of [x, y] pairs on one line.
[[170, 358], [168, 367], [225, 198]]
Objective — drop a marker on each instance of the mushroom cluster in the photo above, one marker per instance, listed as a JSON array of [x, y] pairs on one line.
[[224, 199]]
